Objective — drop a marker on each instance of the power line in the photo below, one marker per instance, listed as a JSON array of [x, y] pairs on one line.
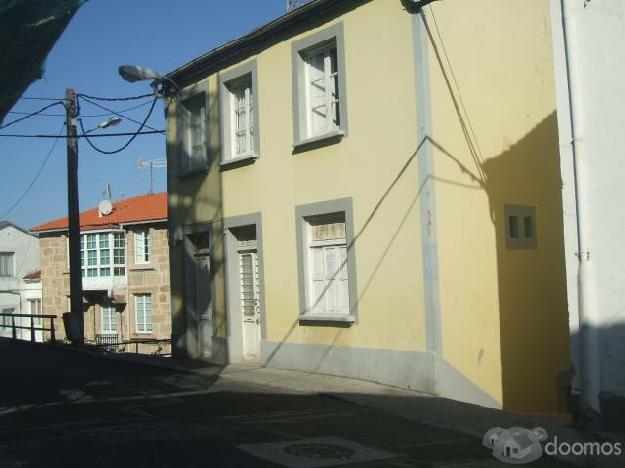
[[87, 116], [30, 98], [115, 113], [32, 114], [31, 185], [130, 140], [131, 98], [96, 135]]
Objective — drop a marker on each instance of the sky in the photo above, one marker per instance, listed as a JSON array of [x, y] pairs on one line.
[[103, 35]]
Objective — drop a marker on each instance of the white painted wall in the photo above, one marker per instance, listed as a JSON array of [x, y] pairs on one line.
[[596, 31], [15, 292]]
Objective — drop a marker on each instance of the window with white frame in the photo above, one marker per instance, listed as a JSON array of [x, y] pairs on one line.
[[319, 87], [142, 246], [194, 137], [239, 105], [322, 90], [103, 254], [242, 112], [327, 275], [143, 313], [7, 264], [108, 318]]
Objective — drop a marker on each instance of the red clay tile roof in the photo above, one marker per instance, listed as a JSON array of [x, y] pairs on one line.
[[35, 275], [131, 210]]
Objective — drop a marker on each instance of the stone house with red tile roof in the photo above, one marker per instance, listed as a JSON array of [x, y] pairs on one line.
[[125, 272]]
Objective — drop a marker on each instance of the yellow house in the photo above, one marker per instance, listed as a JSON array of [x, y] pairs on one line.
[[371, 188]]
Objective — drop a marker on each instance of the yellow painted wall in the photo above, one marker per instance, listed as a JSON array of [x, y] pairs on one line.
[[381, 140], [492, 300], [501, 78]]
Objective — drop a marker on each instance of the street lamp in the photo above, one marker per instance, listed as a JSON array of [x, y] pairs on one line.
[[134, 73], [105, 124]]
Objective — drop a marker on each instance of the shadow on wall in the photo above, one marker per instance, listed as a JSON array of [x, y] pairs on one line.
[[532, 281], [195, 203]]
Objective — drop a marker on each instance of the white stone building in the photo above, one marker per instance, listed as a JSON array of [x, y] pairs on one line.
[[20, 282]]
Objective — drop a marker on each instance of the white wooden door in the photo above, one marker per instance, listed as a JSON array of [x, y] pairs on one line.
[[249, 289]]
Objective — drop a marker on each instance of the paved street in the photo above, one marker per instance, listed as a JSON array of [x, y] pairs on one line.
[[62, 408]]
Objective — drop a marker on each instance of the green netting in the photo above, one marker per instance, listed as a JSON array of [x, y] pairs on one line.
[[28, 30]]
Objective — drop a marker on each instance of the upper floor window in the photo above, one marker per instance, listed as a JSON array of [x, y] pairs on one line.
[[238, 101], [142, 246], [194, 147], [322, 90], [243, 118], [320, 109], [7, 264], [103, 254]]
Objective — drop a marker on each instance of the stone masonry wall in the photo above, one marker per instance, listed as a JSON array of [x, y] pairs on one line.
[[152, 278]]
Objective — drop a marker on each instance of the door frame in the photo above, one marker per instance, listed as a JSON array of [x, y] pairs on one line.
[[193, 317], [234, 318]]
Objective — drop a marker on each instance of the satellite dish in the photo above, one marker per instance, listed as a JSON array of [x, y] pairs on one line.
[[105, 207]]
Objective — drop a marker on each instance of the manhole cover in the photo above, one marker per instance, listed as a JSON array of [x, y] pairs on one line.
[[319, 451]]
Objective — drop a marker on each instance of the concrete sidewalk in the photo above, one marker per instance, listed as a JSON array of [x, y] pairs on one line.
[[425, 409]]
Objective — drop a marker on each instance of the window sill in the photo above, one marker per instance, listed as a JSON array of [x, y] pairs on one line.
[[192, 172], [142, 266], [238, 162], [327, 318], [318, 141]]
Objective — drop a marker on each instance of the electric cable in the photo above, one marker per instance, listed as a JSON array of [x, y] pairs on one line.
[[113, 112], [31, 185], [130, 140], [88, 116], [32, 114], [101, 135], [130, 98]]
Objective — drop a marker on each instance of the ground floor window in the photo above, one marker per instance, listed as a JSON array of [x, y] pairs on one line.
[[7, 320], [108, 319], [328, 279], [143, 313]]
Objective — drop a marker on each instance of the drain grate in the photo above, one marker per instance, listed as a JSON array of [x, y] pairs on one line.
[[315, 452]]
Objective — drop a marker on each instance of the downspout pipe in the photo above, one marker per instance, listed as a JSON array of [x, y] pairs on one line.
[[588, 329]]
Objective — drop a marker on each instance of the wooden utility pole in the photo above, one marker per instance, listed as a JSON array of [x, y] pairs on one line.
[[76, 321]]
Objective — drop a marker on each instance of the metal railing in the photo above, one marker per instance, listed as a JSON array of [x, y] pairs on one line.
[[109, 343], [33, 327]]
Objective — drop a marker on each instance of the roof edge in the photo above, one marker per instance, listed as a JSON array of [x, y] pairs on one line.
[[212, 59]]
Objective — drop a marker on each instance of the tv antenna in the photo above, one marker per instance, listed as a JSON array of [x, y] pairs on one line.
[[152, 164]]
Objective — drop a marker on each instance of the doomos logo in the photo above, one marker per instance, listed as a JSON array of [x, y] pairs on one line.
[[516, 445]]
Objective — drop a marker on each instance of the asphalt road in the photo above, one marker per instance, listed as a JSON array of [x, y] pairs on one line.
[[61, 408]]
